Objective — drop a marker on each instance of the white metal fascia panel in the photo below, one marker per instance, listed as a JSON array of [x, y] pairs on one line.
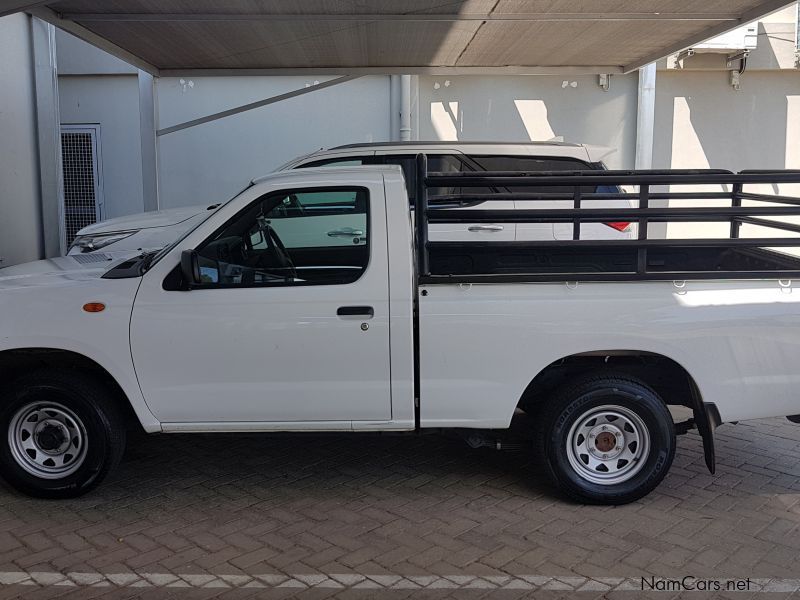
[[410, 36]]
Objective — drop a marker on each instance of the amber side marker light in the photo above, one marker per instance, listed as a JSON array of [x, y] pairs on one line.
[[94, 307]]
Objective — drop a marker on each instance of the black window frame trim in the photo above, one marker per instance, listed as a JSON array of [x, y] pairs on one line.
[[169, 282]]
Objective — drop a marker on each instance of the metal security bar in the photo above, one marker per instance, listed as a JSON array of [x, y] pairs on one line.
[[640, 257]]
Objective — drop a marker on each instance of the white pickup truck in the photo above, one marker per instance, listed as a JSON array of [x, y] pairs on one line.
[[260, 319]]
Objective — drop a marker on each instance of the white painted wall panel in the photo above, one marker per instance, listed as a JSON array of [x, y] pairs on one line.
[[113, 103], [20, 204], [701, 122], [532, 108], [213, 161]]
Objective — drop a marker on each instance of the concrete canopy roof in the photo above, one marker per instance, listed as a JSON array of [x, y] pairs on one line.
[[170, 37]]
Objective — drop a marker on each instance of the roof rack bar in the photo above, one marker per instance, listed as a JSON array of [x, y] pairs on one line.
[[767, 223], [491, 180], [588, 172], [778, 199], [609, 277], [627, 243], [550, 196], [598, 215]]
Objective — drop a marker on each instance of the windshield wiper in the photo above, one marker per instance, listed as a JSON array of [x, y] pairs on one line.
[[133, 267], [146, 259]]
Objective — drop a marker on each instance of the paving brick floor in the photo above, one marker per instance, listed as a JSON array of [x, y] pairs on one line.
[[202, 516]]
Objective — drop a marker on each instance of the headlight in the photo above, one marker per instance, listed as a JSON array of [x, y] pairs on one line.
[[90, 243]]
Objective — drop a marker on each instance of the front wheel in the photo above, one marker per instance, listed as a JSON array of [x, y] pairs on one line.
[[60, 434], [606, 439]]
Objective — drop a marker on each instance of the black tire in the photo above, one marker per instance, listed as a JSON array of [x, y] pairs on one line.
[[99, 417], [578, 401]]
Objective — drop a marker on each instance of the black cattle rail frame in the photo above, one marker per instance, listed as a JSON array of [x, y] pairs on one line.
[[637, 259]]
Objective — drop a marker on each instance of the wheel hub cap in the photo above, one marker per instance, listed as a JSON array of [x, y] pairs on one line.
[[608, 445], [47, 440], [51, 436], [605, 441]]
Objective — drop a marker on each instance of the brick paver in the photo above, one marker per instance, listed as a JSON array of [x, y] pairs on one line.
[[204, 516]]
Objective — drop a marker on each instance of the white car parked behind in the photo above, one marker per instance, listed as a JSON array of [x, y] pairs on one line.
[[155, 230]]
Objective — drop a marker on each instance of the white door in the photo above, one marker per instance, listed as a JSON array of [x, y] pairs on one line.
[[291, 324]]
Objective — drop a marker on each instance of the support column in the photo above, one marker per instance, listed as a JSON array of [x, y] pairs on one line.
[[394, 108], [415, 107], [646, 117], [405, 108], [20, 197], [147, 133], [48, 124]]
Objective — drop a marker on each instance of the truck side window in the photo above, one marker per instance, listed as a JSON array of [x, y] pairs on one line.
[[302, 237]]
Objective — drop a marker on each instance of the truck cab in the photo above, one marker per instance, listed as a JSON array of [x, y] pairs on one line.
[[299, 286]]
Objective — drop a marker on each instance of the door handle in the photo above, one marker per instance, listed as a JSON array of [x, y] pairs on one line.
[[479, 228], [356, 311], [346, 232]]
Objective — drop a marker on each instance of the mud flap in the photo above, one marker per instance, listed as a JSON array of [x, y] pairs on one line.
[[707, 419]]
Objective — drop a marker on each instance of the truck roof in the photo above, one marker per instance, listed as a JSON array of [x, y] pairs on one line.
[[358, 171]]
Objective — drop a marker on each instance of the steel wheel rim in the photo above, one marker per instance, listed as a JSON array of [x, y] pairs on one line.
[[47, 440], [608, 445]]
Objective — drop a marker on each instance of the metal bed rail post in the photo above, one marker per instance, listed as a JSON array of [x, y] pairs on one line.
[[736, 202], [421, 216], [644, 204]]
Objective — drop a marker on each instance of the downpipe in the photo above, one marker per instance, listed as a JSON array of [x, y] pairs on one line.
[[405, 108]]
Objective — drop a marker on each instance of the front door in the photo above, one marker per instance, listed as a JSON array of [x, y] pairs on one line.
[[290, 324]]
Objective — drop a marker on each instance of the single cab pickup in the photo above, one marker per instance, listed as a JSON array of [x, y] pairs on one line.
[[313, 301]]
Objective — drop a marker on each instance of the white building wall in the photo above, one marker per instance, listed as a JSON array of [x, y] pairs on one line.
[[702, 123], [99, 89], [20, 202], [526, 108], [211, 162], [112, 101]]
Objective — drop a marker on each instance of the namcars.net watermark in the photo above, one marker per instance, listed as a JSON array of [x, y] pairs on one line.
[[690, 583]]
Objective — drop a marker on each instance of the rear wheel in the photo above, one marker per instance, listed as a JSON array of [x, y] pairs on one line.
[[60, 434], [606, 439]]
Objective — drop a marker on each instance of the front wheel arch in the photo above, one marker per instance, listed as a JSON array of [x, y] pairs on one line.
[[18, 362]]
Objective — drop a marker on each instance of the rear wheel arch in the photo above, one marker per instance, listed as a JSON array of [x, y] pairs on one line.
[[673, 382], [666, 376]]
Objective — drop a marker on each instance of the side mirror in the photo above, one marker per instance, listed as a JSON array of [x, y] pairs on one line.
[[190, 267]]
